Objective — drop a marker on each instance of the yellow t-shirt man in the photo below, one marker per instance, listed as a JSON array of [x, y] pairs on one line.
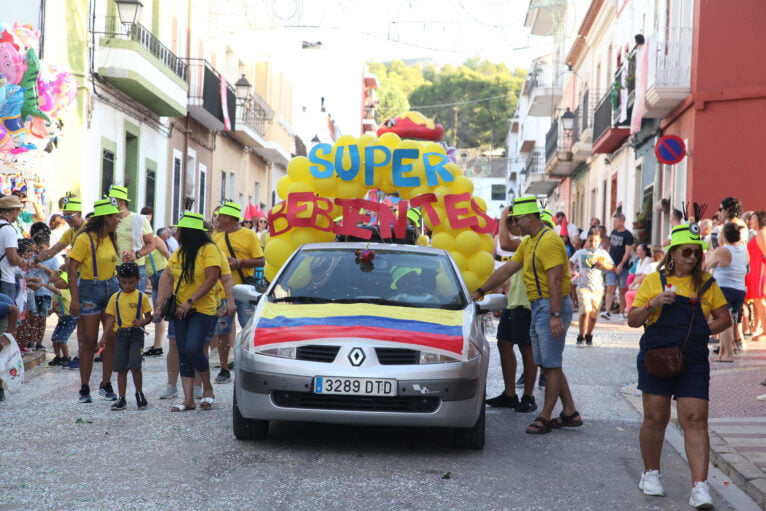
[[218, 289], [246, 246], [550, 252], [128, 304], [207, 256], [124, 233], [106, 257], [70, 234], [652, 286]]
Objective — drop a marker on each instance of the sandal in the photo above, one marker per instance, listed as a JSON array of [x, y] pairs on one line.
[[539, 426], [181, 408], [567, 421], [206, 403]]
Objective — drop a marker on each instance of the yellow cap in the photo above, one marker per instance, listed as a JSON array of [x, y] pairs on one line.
[[414, 215], [118, 192], [105, 207], [686, 234], [72, 204], [231, 209], [525, 206], [191, 220], [547, 217]]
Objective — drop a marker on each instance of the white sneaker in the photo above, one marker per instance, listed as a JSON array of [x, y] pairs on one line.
[[650, 483], [762, 397], [700, 497], [170, 392], [198, 392]]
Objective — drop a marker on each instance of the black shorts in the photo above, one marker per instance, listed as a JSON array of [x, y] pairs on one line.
[[514, 326], [693, 382], [127, 349]]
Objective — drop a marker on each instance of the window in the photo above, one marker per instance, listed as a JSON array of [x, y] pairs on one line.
[[176, 189], [107, 171], [232, 185], [202, 188], [498, 192], [151, 184], [223, 186]]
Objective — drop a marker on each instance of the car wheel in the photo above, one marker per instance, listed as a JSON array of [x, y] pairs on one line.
[[473, 437], [247, 429]]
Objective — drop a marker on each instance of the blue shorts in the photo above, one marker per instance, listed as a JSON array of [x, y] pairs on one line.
[[735, 299], [514, 326], [95, 294], [172, 332], [244, 312], [224, 324], [693, 382], [41, 306], [64, 329], [548, 350], [155, 280], [621, 280]]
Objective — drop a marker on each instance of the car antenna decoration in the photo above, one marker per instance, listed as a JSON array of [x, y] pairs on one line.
[[364, 259]]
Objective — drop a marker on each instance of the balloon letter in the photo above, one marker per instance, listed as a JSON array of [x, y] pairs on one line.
[[425, 201], [322, 166], [399, 168], [347, 174], [454, 213], [369, 162], [432, 169]]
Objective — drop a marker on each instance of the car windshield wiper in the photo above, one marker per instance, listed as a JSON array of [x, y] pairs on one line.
[[377, 301], [453, 306], [301, 299]]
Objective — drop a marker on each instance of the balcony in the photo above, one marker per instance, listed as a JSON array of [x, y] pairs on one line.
[[206, 104], [252, 117], [582, 148], [558, 151], [545, 92], [132, 59], [609, 132], [537, 181], [369, 122], [542, 16], [669, 73]]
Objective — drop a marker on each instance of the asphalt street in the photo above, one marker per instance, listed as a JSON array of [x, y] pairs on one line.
[[59, 454]]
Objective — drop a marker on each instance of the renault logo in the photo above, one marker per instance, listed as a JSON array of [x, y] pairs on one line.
[[356, 357]]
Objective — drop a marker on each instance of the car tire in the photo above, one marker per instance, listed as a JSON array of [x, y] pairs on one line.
[[473, 437], [247, 429]]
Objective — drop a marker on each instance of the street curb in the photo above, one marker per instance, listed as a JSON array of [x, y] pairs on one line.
[[35, 358]]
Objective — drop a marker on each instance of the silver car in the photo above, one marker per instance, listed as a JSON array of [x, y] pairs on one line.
[[363, 333]]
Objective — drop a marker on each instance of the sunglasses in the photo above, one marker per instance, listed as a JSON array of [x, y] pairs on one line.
[[688, 252], [263, 221], [67, 217]]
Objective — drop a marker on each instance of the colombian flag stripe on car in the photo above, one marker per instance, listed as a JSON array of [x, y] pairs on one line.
[[435, 328]]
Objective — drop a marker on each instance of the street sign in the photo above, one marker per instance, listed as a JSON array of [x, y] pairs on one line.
[[670, 149]]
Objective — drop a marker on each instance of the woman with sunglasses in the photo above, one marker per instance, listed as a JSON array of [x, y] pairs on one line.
[[72, 215], [674, 305], [94, 260], [262, 230]]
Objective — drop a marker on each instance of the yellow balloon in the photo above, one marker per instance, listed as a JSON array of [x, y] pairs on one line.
[[454, 169], [349, 190], [443, 224], [390, 140], [460, 260], [486, 243], [472, 281], [365, 140], [270, 271], [467, 242], [298, 169], [297, 186], [325, 187], [325, 237], [301, 277], [444, 285], [462, 184], [443, 240], [433, 147], [481, 203], [277, 251], [481, 263], [301, 236], [282, 186], [409, 144], [443, 190]]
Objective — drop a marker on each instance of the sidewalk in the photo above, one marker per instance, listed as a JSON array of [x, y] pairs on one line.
[[737, 421]]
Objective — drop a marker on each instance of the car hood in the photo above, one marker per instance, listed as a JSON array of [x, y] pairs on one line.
[[444, 331]]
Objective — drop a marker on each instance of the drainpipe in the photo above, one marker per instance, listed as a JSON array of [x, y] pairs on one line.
[[184, 160]]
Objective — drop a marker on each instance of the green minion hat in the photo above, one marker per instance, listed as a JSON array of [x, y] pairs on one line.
[[685, 234], [191, 220], [105, 207], [118, 192], [547, 217], [414, 215], [231, 209], [525, 206], [72, 204]]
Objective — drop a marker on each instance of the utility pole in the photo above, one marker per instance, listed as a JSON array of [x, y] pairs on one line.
[[455, 109]]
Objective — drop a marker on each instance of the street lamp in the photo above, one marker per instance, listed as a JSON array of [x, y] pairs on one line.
[[567, 120], [243, 89], [128, 10]]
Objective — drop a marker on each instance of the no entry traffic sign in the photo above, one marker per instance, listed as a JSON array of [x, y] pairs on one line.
[[670, 149]]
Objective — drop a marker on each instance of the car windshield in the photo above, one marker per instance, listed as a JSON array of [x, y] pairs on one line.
[[392, 277]]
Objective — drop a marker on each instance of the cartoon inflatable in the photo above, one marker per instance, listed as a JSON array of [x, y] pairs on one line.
[[323, 196]]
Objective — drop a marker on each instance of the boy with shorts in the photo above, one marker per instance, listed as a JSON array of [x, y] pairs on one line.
[[66, 322], [588, 265], [124, 320]]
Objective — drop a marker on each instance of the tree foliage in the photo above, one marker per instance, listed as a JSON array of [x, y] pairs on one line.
[[473, 101]]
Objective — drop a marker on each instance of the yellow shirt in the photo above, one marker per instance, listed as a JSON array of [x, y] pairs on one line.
[[423, 241], [207, 257], [63, 301], [106, 256], [124, 233], [246, 246], [652, 286], [128, 306], [550, 252], [68, 237], [155, 262], [219, 290]]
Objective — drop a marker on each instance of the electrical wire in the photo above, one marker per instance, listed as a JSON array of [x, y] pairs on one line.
[[420, 107]]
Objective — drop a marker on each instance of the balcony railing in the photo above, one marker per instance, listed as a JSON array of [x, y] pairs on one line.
[[205, 96], [602, 118], [671, 62], [143, 36], [256, 113], [535, 163]]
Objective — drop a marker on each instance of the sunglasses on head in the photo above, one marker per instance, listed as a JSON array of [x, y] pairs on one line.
[[688, 252]]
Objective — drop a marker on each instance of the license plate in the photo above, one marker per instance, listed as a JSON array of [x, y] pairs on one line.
[[354, 386]]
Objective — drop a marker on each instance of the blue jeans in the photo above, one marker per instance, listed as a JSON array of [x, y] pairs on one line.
[[9, 289], [223, 324], [191, 333], [155, 279], [95, 294], [547, 349], [244, 312]]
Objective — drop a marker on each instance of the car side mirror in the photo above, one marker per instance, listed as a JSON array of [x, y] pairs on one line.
[[246, 293], [491, 302]]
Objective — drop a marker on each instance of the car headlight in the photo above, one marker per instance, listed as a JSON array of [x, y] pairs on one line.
[[435, 358], [278, 352]]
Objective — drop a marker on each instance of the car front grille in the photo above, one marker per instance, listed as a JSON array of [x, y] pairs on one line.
[[397, 356], [317, 353], [412, 404]]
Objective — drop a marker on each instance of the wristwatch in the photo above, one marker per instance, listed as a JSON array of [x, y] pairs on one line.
[[189, 301], [137, 253], [556, 314]]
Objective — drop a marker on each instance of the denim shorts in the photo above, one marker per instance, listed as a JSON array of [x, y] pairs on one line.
[[514, 326], [693, 382], [224, 324], [735, 299], [621, 280], [127, 349], [244, 312], [95, 294], [155, 280], [64, 329], [548, 350], [9, 289], [41, 305]]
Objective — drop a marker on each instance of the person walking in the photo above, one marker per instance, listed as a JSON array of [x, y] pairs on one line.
[[673, 304], [94, 259], [589, 263], [72, 215], [543, 260], [620, 248], [756, 278], [729, 264], [156, 262], [135, 238], [10, 260], [190, 276]]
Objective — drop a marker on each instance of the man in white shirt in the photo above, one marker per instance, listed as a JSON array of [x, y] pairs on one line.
[[10, 261]]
